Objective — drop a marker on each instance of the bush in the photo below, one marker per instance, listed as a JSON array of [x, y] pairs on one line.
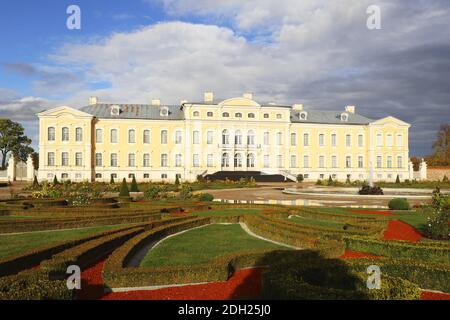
[[207, 197], [124, 192], [134, 185], [112, 180], [186, 192], [55, 180], [398, 179], [319, 182], [445, 179], [35, 182], [399, 204], [300, 178], [438, 222], [152, 193], [177, 180]]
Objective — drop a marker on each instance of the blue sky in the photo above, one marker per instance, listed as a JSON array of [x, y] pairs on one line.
[[318, 53]]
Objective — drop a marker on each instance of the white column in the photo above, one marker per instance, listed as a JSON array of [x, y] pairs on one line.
[[423, 170], [411, 170], [30, 169]]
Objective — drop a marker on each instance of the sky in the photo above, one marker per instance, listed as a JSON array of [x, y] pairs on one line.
[[315, 52]]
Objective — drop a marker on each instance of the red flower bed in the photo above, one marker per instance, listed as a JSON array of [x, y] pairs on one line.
[[429, 295], [399, 230], [92, 282], [378, 212], [349, 254]]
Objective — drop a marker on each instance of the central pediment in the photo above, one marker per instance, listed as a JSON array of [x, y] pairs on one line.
[[239, 102]]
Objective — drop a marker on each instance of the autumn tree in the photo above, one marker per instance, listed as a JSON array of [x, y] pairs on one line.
[[13, 141], [441, 148]]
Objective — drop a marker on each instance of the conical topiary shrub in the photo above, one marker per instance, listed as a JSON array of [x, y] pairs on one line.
[[134, 185], [112, 180], [398, 179], [177, 180], [55, 180], [124, 192]]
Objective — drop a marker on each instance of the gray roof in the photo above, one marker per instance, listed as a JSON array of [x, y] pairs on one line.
[[332, 117], [134, 111]]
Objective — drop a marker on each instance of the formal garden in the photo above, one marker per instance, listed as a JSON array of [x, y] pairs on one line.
[[161, 241]]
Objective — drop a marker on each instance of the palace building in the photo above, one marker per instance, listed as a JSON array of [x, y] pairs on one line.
[[157, 142]]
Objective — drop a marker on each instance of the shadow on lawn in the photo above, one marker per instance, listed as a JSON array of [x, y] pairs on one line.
[[305, 274]]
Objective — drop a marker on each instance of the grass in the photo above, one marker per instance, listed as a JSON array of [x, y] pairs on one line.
[[227, 212], [201, 245], [18, 243]]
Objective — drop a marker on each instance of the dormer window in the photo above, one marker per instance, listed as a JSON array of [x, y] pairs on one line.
[[164, 112], [303, 115], [115, 111], [344, 117]]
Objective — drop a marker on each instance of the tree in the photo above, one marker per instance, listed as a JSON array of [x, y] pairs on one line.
[[134, 185], [124, 192], [112, 180], [55, 180], [300, 178], [177, 180], [441, 148], [13, 140], [35, 182], [398, 179], [35, 158], [415, 161]]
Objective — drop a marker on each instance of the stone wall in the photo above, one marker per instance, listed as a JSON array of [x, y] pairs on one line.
[[437, 173]]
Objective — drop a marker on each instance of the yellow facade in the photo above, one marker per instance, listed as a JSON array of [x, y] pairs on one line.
[[156, 142]]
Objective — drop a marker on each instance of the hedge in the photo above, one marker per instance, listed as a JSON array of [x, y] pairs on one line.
[[399, 204], [369, 220], [425, 251]]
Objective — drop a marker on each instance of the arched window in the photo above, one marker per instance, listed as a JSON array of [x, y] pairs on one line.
[[225, 160], [238, 115], [238, 137], [279, 138], [251, 160], [251, 138], [78, 134], [98, 135], [65, 134], [146, 160], [225, 115], [196, 114], [251, 115], [178, 137], [131, 136], [164, 137], [164, 160], [238, 160], [51, 134], [113, 136], [113, 159], [266, 116], [146, 136], [98, 160], [195, 137], [209, 114], [225, 137], [131, 160]]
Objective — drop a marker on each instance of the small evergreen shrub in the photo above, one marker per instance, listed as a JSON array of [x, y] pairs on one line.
[[445, 179], [207, 197], [177, 180], [398, 179], [186, 192], [124, 192], [300, 178], [399, 204], [112, 180], [152, 193], [134, 185], [55, 181]]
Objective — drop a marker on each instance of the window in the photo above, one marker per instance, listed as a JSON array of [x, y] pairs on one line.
[[293, 161], [279, 138], [164, 160], [251, 160], [146, 176], [78, 134], [251, 138], [266, 161], [209, 137], [114, 175], [196, 160], [379, 161], [113, 159], [266, 138], [78, 159], [99, 135], [389, 161], [333, 140], [389, 141], [164, 137], [146, 137], [130, 175], [164, 176], [210, 160], [51, 134], [303, 115], [65, 159], [333, 161], [225, 115], [238, 137], [399, 140], [196, 114], [131, 136], [321, 162], [225, 160], [238, 160], [251, 115], [360, 162], [279, 161], [399, 162], [131, 160], [293, 139], [360, 140], [238, 115], [279, 116], [196, 137], [348, 162], [321, 139], [379, 140], [98, 160], [65, 134], [266, 116], [98, 176], [178, 160], [348, 140], [306, 161], [225, 137], [209, 114], [113, 134], [65, 176], [178, 137], [306, 139], [146, 160]]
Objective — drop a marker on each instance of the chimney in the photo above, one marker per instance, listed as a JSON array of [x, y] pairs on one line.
[[209, 96], [350, 109], [93, 101], [297, 107], [156, 102], [248, 95]]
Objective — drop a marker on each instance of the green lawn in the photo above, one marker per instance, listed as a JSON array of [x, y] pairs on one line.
[[316, 222], [18, 243], [227, 212], [201, 245]]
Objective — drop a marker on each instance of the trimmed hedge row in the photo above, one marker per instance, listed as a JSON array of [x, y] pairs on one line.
[[425, 251], [293, 236], [427, 275], [316, 214]]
